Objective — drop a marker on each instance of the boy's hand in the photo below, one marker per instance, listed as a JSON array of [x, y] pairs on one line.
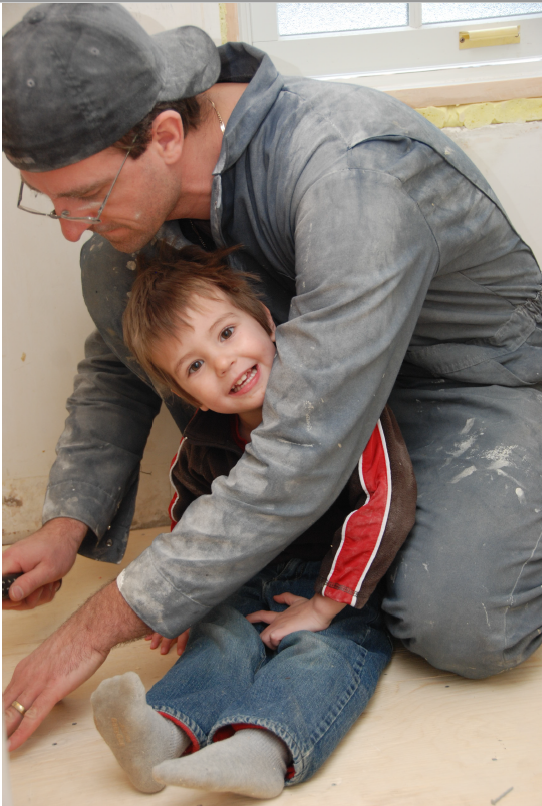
[[302, 614], [165, 644]]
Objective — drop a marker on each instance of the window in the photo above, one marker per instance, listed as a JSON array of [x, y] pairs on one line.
[[393, 45]]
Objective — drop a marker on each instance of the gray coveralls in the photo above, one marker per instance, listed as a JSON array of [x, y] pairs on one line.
[[394, 273]]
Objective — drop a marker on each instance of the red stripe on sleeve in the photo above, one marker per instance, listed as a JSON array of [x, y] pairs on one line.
[[363, 529]]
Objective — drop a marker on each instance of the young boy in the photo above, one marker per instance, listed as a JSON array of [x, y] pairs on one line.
[[260, 704]]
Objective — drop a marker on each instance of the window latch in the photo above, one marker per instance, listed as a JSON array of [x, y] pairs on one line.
[[488, 37]]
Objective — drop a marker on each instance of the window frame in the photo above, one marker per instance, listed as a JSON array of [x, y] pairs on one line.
[[393, 58]]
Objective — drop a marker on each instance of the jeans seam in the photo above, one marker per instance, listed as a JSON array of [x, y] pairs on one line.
[[339, 706]]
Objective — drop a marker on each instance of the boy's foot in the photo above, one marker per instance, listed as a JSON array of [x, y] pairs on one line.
[[138, 736], [251, 762]]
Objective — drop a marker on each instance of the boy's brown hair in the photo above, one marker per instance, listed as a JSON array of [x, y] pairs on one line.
[[162, 291]]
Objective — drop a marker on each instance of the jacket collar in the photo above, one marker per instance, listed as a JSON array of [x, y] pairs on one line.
[[244, 63], [212, 430]]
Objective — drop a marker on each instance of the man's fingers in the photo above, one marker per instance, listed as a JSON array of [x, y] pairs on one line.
[[10, 565], [28, 583], [24, 696], [36, 598], [41, 596], [12, 718], [31, 720], [267, 616]]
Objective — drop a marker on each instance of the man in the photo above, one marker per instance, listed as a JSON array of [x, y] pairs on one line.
[[393, 272]]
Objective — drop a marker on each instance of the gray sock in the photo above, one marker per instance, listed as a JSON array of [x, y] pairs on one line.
[[138, 736], [251, 762]]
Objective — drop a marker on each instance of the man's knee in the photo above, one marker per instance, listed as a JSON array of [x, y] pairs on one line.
[[460, 634], [468, 655]]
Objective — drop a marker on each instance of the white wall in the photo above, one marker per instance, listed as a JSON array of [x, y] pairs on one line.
[[45, 320], [509, 156]]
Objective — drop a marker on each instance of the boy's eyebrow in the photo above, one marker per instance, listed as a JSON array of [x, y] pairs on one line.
[[74, 193], [214, 326], [218, 322]]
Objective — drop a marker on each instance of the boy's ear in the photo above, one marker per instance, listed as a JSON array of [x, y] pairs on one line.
[[270, 322]]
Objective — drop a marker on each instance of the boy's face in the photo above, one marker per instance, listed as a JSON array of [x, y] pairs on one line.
[[222, 359]]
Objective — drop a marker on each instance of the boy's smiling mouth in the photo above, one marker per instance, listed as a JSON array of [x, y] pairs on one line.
[[244, 379]]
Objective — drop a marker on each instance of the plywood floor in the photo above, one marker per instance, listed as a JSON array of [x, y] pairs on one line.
[[427, 739]]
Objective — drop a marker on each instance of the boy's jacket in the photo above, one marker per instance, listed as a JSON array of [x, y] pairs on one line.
[[356, 538]]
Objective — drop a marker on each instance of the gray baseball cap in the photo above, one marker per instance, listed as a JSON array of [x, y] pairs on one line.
[[78, 76]]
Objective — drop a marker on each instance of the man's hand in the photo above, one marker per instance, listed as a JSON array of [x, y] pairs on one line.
[[165, 644], [67, 659], [302, 614], [44, 558]]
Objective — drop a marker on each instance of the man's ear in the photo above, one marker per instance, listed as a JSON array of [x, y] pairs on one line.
[[270, 322], [168, 135]]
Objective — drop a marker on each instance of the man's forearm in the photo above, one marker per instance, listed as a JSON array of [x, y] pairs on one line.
[[107, 620], [67, 659]]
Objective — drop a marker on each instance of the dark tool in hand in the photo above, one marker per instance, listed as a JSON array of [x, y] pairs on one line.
[[7, 581]]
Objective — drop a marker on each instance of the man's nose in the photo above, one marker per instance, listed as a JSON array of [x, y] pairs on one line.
[[72, 230]]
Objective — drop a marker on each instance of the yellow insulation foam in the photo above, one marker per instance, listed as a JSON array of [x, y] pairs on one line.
[[472, 116]]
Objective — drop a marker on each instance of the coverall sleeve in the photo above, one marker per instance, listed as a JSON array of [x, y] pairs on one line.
[[362, 272], [382, 496], [94, 478]]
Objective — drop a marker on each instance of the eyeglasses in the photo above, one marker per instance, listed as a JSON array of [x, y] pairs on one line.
[[64, 215]]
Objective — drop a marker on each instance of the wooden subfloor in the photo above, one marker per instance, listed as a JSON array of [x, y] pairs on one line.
[[427, 739]]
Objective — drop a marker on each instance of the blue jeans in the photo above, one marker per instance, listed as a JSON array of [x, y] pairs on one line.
[[309, 692]]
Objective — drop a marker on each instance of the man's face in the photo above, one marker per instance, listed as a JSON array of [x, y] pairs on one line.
[[143, 197]]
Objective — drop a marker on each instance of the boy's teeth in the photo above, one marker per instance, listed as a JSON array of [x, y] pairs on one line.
[[249, 374]]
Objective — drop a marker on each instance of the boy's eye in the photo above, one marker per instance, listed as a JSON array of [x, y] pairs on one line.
[[194, 367], [227, 333]]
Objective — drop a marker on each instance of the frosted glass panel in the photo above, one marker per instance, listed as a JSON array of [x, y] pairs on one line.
[[450, 12], [319, 18]]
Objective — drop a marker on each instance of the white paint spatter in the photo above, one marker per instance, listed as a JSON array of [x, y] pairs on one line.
[[500, 457], [468, 426], [425, 565], [308, 408], [297, 444], [463, 475], [462, 447], [520, 494], [487, 617]]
